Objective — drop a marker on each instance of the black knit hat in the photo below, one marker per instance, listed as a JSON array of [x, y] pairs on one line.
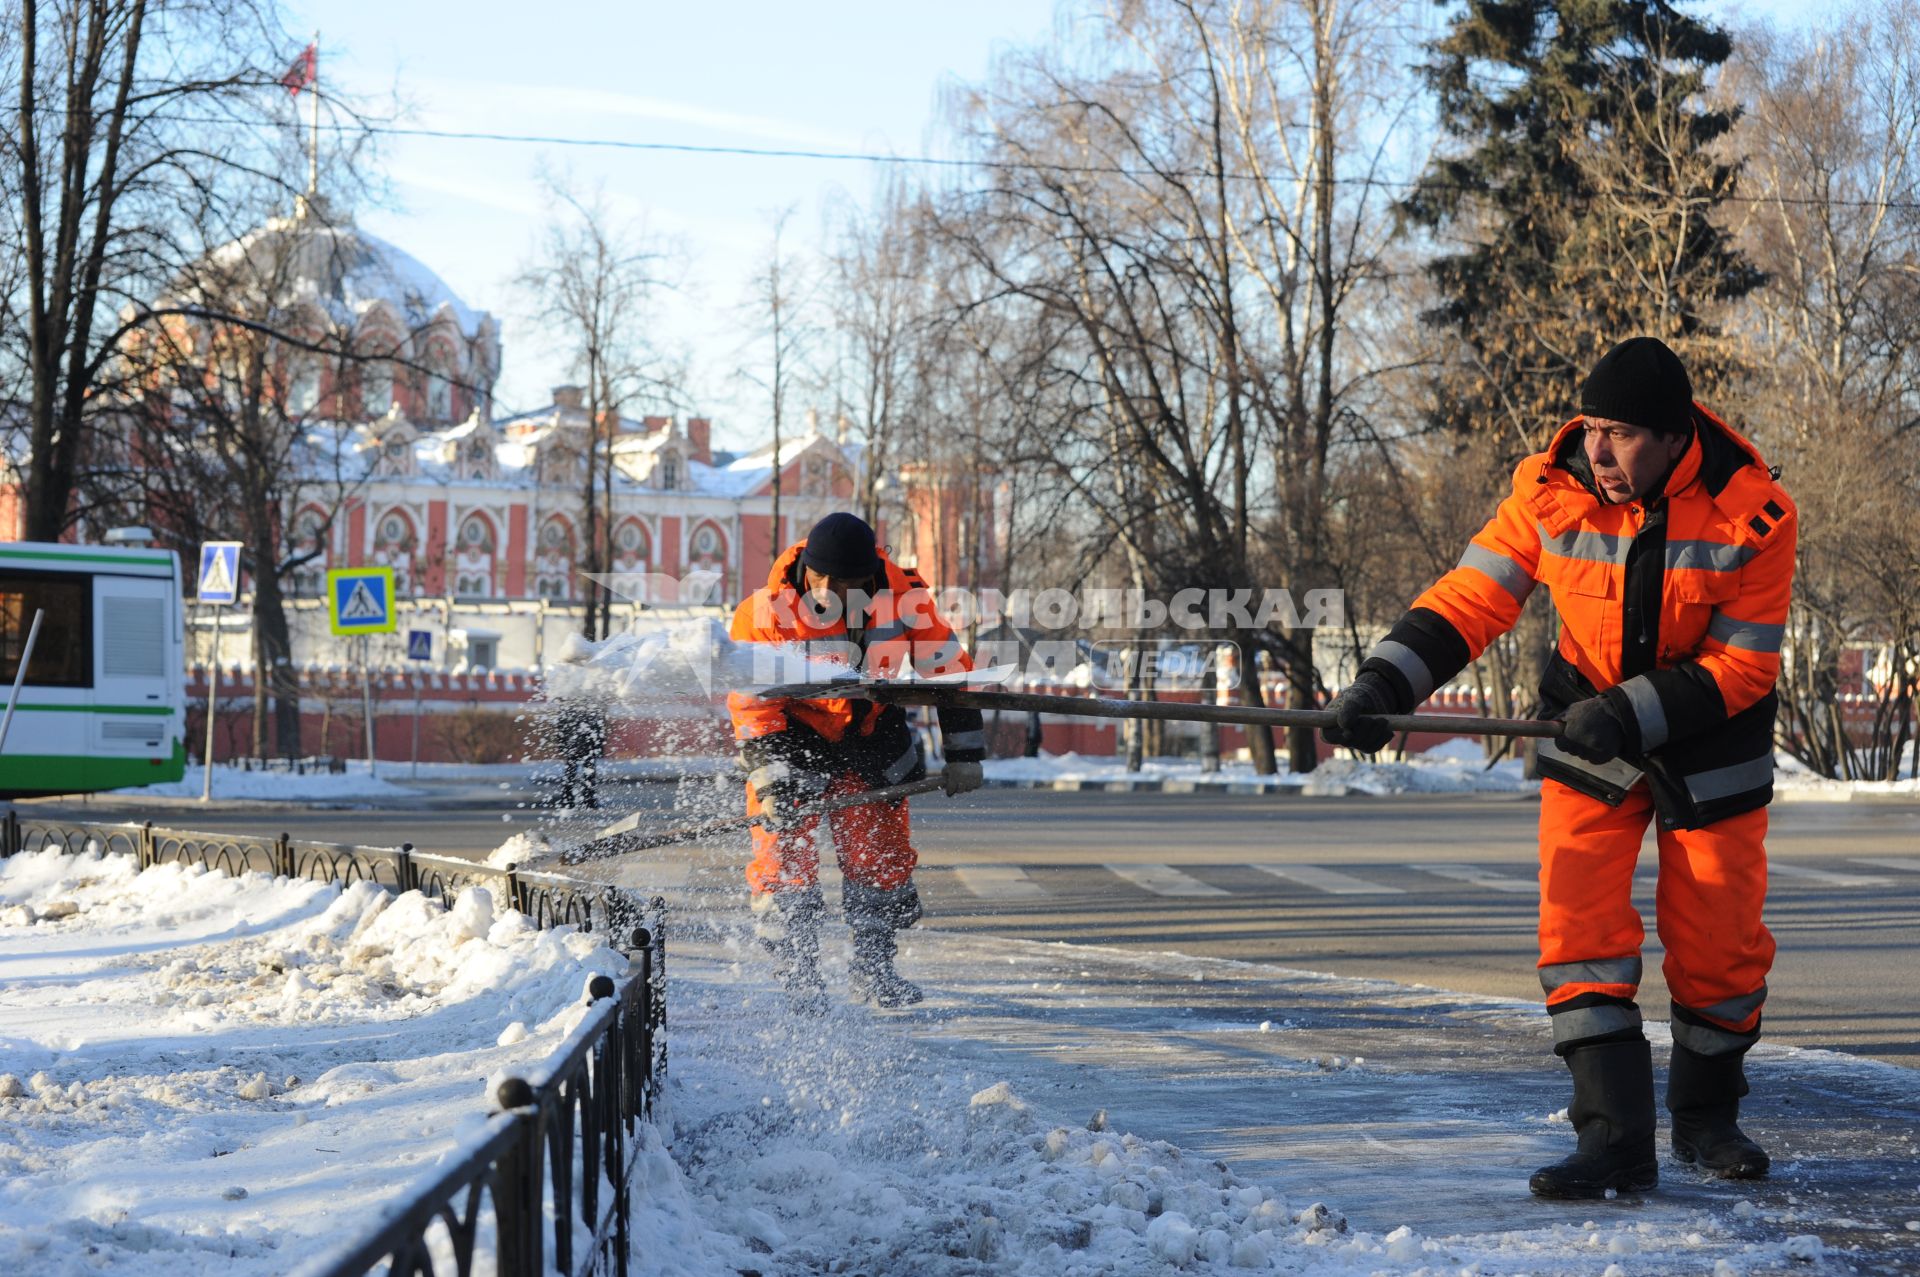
[[1642, 383], [842, 546]]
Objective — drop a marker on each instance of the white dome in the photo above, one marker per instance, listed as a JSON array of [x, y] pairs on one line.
[[311, 257]]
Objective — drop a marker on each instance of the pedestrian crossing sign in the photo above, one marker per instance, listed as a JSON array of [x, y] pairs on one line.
[[219, 572], [360, 600]]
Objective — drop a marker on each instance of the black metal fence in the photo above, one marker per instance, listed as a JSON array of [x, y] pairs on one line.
[[548, 1188]]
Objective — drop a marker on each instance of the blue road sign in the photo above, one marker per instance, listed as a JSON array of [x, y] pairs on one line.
[[419, 645], [219, 580], [361, 600]]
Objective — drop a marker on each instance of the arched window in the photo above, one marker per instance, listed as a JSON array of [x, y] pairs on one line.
[[630, 541], [303, 388], [309, 534], [439, 397], [706, 577], [376, 388], [553, 562], [473, 558], [394, 544], [476, 534]]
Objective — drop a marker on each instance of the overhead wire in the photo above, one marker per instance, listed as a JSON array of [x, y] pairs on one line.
[[975, 162]]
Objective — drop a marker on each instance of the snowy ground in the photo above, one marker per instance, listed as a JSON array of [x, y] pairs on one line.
[[239, 784], [210, 1075], [1060, 1110], [201, 1074], [1454, 767]]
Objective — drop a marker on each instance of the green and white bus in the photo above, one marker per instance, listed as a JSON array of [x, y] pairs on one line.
[[104, 701]]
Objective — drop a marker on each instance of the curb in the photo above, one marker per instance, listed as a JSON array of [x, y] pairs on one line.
[[1167, 787]]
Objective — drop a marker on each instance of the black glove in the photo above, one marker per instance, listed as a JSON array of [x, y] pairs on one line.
[[783, 797], [963, 778], [1357, 710], [1592, 731]]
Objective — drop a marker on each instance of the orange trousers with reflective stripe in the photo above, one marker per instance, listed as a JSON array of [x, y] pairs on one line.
[[870, 841], [1712, 885]]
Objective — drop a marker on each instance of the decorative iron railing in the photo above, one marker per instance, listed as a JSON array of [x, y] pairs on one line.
[[548, 1187]]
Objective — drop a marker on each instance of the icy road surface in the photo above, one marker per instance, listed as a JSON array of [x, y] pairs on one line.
[[201, 1074], [218, 1076], [1058, 1109]]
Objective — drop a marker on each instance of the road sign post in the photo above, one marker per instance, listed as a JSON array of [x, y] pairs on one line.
[[218, 583], [360, 604], [419, 648]]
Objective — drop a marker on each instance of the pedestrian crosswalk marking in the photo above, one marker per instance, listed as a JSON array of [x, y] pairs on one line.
[[1164, 880], [361, 605], [1480, 877], [998, 882], [1907, 864], [1826, 877], [1331, 881]]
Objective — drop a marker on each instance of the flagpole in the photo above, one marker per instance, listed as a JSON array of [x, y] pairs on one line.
[[313, 148]]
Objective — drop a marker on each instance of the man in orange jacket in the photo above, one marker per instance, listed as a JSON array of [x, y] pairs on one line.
[[1669, 548], [838, 592]]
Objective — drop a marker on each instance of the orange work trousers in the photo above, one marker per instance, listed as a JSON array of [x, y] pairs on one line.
[[870, 841], [1707, 905]]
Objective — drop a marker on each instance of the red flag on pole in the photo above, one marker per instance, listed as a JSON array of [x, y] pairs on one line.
[[304, 71]]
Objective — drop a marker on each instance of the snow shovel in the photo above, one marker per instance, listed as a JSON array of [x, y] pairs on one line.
[[626, 835], [937, 695]]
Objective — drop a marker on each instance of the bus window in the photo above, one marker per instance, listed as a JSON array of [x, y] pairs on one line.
[[63, 654]]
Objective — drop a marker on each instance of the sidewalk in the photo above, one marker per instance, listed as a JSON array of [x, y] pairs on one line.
[[1414, 1113]]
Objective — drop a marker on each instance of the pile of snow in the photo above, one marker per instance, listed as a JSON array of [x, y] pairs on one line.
[[520, 851], [231, 782], [847, 1149], [203, 1073], [1454, 767], [1793, 776]]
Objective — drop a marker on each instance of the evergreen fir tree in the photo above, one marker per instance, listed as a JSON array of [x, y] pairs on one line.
[[1581, 192]]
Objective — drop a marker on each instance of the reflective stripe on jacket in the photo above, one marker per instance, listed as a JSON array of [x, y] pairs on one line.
[[1674, 608]]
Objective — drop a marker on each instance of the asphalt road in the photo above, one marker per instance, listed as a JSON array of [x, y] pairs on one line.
[[1417, 889]]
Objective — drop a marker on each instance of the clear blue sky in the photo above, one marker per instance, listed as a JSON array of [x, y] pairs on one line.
[[828, 75]]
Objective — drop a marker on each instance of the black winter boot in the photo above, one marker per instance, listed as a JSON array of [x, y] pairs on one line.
[[1612, 1113], [874, 916], [787, 924], [1703, 1094]]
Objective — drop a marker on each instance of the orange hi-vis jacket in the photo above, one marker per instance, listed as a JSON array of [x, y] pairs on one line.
[[900, 629], [1674, 608]]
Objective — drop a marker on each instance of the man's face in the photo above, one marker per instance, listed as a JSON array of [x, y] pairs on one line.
[[1629, 460], [827, 595]]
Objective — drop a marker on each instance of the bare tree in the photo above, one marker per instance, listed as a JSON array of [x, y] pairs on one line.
[[135, 124], [226, 422], [596, 282], [779, 301], [1832, 146], [1165, 205]]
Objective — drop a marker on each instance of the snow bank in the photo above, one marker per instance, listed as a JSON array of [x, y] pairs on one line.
[[1445, 769], [201, 1073], [847, 1150], [312, 786]]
